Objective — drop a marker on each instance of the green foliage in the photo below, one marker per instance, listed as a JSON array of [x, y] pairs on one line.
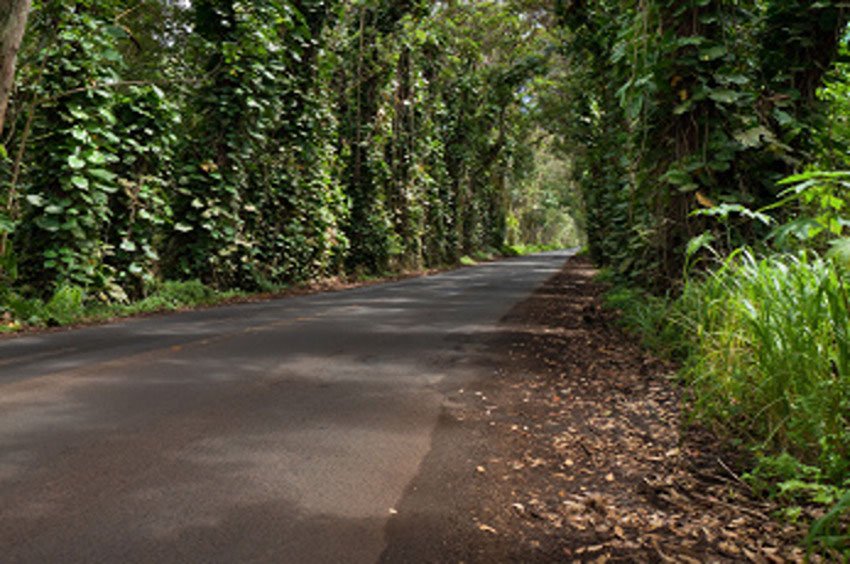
[[646, 315], [65, 306], [66, 206], [821, 207], [431, 123], [177, 293], [769, 354], [250, 145], [683, 106], [141, 209], [764, 344], [546, 208], [831, 533]]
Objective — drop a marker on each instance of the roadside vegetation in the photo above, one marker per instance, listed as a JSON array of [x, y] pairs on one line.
[[722, 219], [159, 154], [162, 154]]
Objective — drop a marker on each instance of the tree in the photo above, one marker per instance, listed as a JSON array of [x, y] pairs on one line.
[[13, 22]]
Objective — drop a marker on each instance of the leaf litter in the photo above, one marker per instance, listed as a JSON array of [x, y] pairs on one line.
[[590, 458]]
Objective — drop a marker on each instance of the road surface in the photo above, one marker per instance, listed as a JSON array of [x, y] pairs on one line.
[[282, 431]]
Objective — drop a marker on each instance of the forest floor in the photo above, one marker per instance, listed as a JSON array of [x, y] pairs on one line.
[[577, 451]]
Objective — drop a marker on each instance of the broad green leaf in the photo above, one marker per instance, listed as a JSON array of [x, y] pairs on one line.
[[724, 96], [35, 200], [80, 182], [76, 162]]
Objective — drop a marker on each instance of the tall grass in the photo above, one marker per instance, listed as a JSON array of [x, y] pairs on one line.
[[768, 353], [766, 356]]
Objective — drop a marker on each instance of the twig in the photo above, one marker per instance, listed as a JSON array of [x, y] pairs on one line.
[[127, 12], [713, 500], [733, 475]]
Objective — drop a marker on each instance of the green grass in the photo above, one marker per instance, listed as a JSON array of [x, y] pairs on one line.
[[522, 249], [71, 304], [765, 352], [768, 352]]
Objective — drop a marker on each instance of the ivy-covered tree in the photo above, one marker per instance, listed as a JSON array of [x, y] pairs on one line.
[[690, 104]]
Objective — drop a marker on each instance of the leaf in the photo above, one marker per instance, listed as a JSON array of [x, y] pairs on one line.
[[723, 211], [96, 158], [80, 182], [677, 176], [755, 137], [6, 224], [76, 162], [35, 200], [712, 53], [704, 201], [112, 55], [487, 529], [115, 31], [182, 227], [840, 251], [102, 174], [699, 242], [822, 530], [801, 229], [724, 96]]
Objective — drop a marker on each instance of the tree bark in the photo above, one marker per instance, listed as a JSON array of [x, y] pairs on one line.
[[13, 22]]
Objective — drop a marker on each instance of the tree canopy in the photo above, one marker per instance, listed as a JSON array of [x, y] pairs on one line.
[[250, 144]]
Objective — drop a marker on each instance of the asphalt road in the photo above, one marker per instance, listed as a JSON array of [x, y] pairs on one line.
[[282, 431]]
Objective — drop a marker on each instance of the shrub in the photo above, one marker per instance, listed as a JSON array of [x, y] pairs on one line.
[[67, 305]]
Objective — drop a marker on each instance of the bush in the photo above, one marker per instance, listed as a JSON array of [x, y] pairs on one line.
[[174, 295], [66, 306], [21, 309]]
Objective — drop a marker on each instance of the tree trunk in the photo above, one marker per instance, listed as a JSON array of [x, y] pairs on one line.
[[13, 22]]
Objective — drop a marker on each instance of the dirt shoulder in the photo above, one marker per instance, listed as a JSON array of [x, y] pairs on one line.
[[574, 450]]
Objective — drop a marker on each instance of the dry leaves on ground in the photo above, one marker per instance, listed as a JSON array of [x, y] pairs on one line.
[[590, 453]]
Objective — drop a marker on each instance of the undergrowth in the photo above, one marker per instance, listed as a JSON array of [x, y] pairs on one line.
[[765, 353], [71, 304]]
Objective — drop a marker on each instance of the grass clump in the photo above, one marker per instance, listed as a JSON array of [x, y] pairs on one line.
[[768, 353], [171, 295], [765, 353]]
